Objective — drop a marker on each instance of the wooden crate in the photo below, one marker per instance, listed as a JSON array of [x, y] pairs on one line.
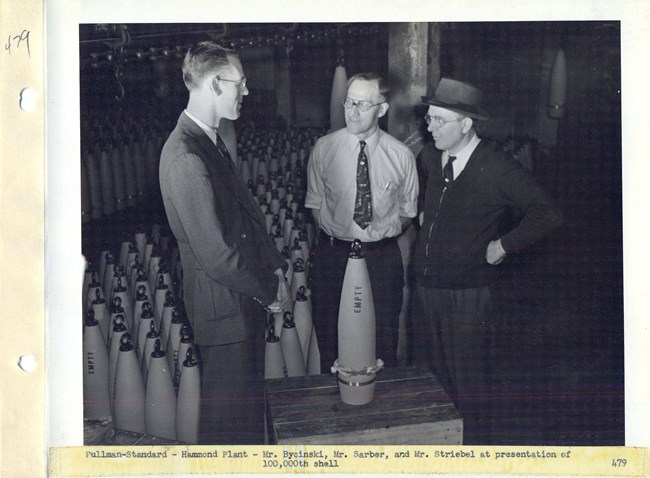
[[409, 407]]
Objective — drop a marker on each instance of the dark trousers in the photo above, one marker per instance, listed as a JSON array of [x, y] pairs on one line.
[[232, 392], [458, 326], [384, 262]]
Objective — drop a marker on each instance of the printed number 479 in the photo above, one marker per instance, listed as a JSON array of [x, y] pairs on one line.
[[619, 462]]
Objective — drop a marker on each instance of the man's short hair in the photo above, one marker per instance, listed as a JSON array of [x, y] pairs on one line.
[[384, 86], [204, 58]]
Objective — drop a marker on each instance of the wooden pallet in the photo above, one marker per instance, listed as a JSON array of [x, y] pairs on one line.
[[409, 407]]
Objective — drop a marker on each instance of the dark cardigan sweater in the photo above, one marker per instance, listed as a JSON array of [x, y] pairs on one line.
[[452, 242]]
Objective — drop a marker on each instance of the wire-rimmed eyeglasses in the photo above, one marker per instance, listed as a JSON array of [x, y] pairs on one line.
[[363, 106], [241, 84], [438, 121]]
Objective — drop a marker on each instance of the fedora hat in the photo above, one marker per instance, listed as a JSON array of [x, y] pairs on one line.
[[457, 96]]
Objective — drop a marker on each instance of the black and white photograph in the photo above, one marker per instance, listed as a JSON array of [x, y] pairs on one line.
[[348, 232], [498, 317]]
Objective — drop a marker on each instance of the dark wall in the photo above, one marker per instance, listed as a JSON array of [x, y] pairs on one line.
[[588, 161], [579, 157], [312, 71]]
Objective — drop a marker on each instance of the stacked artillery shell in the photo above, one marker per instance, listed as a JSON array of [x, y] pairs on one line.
[[274, 364], [134, 371], [356, 332], [120, 173], [291, 348], [95, 383], [129, 389], [160, 397], [119, 165], [188, 405]]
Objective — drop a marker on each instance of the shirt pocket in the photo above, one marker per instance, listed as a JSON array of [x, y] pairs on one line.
[[385, 199]]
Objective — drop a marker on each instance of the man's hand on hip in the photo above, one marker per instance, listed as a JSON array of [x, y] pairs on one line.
[[495, 253]]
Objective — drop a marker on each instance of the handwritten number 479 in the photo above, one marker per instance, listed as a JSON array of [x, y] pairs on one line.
[[17, 41]]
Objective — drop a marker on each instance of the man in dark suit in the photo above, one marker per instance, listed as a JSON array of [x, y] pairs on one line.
[[231, 268], [467, 189]]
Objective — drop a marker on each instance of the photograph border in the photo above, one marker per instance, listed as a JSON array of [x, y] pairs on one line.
[[62, 203]]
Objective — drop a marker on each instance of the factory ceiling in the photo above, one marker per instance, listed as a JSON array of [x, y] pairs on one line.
[[100, 43]]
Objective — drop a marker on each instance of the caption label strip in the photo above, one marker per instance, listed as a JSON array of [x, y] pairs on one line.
[[173, 460]]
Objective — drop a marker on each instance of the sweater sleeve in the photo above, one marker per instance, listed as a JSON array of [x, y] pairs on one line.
[[539, 213], [422, 162]]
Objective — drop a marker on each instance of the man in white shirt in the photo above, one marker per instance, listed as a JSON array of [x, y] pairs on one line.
[[345, 213]]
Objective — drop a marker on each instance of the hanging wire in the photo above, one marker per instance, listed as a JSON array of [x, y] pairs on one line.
[[117, 48]]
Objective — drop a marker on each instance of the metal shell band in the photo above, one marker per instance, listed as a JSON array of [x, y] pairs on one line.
[[336, 367]]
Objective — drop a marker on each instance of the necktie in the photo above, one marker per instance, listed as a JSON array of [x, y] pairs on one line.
[[223, 150], [221, 146], [363, 201], [448, 171]]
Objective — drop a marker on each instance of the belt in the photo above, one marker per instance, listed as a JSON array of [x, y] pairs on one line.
[[365, 246]]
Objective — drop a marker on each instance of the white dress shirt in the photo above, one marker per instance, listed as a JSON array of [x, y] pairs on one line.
[[462, 156], [332, 184]]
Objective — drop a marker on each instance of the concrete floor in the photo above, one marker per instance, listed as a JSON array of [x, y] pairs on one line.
[[558, 371]]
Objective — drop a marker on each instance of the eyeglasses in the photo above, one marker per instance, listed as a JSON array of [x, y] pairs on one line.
[[362, 105], [438, 121], [241, 84]]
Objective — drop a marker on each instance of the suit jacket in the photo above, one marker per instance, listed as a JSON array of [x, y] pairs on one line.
[[476, 209], [228, 259]]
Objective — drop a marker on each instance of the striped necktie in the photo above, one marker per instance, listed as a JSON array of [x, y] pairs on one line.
[[221, 146]]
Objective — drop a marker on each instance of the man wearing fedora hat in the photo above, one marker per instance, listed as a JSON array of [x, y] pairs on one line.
[[467, 189]]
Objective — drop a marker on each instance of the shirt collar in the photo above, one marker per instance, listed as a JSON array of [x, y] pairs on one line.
[[212, 134], [463, 155], [371, 141]]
